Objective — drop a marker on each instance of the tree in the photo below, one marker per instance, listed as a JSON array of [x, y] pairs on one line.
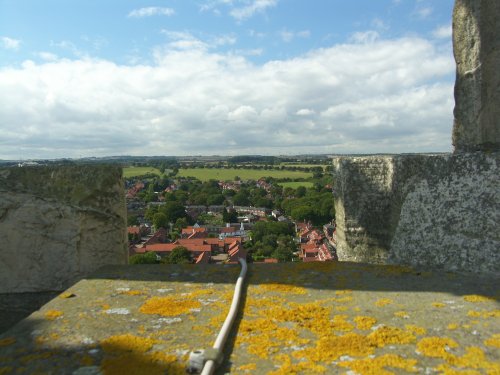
[[160, 220], [179, 255], [173, 211], [132, 220], [229, 216], [147, 258], [241, 198]]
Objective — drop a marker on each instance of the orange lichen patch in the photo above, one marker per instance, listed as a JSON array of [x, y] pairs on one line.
[[401, 314], [341, 308], [475, 298], [53, 314], [282, 288], [416, 330], [127, 343], [383, 302], [390, 335], [105, 306], [446, 369], [484, 314], [312, 316], [376, 366], [339, 323], [132, 292], [7, 341], [200, 292], [474, 358], [436, 346], [168, 306], [474, 314], [41, 340], [330, 348], [66, 295], [287, 367], [247, 367], [452, 326], [493, 341], [141, 365], [438, 304], [344, 299], [264, 337], [364, 322]]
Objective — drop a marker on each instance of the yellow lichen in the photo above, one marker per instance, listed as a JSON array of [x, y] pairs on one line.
[[390, 335], [383, 302], [473, 358], [7, 341], [53, 314], [282, 288], [452, 326], [287, 367], [168, 306], [416, 330], [436, 346], [376, 366], [493, 341], [474, 298], [330, 348], [132, 292], [247, 367], [401, 314], [438, 304], [364, 322], [128, 354], [66, 295]]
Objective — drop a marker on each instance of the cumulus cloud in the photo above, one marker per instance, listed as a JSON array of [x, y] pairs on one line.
[[151, 11], [255, 6], [9, 43], [371, 95], [287, 36], [443, 32]]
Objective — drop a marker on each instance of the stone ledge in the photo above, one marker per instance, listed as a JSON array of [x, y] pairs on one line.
[[328, 317]]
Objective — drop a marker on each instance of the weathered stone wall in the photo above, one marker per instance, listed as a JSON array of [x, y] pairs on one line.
[[58, 224], [476, 45], [427, 210]]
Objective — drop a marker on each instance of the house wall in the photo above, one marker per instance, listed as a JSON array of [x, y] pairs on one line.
[[58, 224]]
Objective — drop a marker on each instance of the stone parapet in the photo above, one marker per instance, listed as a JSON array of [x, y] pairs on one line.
[[476, 45], [441, 211], [59, 224]]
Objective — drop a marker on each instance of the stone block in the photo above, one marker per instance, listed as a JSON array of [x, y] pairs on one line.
[[441, 211], [58, 224]]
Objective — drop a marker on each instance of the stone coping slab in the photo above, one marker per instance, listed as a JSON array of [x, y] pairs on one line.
[[296, 318]]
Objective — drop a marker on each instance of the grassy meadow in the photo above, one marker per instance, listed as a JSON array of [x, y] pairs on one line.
[[139, 171], [296, 184], [205, 174]]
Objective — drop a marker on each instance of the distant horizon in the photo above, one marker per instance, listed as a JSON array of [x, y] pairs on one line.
[[235, 77]]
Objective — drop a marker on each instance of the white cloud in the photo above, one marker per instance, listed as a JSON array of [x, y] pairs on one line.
[[423, 11], [305, 112], [47, 56], [287, 36], [443, 32], [382, 96], [369, 36], [9, 43], [255, 6], [151, 11]]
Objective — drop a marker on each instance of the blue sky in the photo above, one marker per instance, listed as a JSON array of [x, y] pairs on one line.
[[179, 77]]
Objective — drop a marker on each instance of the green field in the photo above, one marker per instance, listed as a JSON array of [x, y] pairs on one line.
[[287, 164], [296, 184], [139, 171], [205, 174]]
